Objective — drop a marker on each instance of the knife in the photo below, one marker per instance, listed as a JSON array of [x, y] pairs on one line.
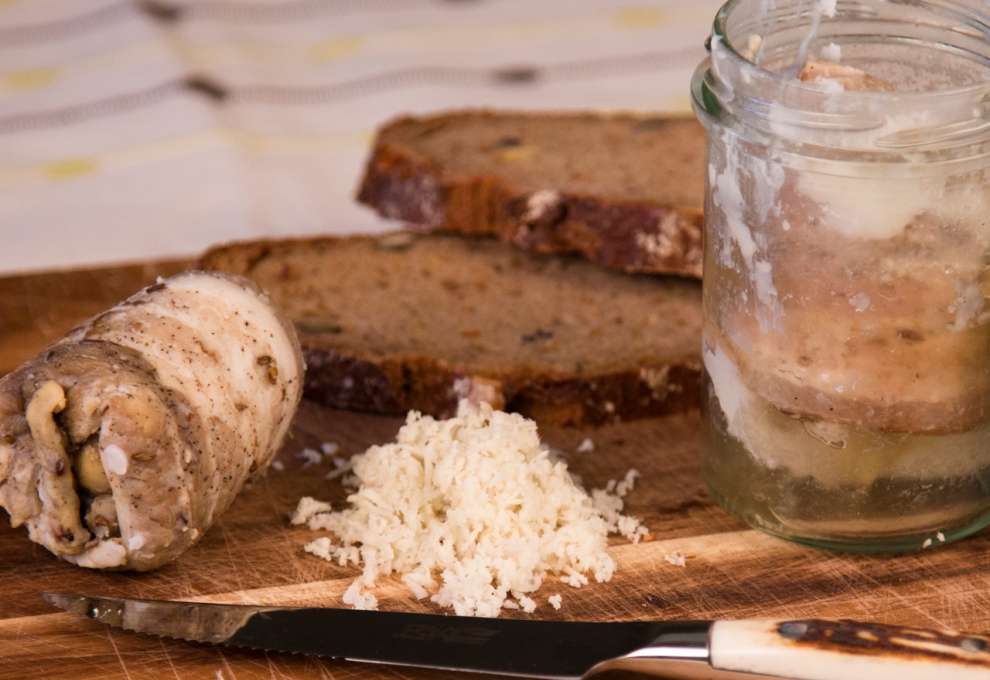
[[804, 649]]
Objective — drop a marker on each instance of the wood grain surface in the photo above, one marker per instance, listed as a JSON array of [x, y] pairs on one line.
[[37, 308], [254, 556]]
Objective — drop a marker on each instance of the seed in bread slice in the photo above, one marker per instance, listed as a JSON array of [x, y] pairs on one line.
[[626, 191], [405, 321]]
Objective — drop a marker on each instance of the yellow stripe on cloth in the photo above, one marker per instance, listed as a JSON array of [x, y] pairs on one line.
[[30, 79], [640, 17], [679, 103], [328, 50], [69, 168], [165, 149], [181, 146], [133, 55], [142, 154]]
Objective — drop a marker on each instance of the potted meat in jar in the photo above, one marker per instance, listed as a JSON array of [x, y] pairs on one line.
[[847, 269]]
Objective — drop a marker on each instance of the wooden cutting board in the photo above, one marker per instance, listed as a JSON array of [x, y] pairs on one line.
[[254, 556]]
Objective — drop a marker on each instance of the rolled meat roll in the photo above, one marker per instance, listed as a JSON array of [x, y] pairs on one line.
[[123, 442]]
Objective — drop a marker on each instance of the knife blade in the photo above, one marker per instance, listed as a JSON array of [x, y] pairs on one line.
[[805, 649], [532, 648]]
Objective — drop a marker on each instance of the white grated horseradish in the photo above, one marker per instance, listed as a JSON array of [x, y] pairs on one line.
[[341, 467], [586, 446], [310, 457], [472, 512]]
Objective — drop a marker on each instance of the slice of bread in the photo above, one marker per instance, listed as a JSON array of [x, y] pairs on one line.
[[407, 321], [625, 191]]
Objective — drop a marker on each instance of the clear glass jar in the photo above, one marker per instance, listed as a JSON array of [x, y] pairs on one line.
[[847, 269]]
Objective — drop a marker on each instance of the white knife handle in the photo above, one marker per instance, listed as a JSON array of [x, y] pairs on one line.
[[814, 649]]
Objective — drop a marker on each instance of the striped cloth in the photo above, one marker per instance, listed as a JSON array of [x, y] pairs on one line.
[[132, 130]]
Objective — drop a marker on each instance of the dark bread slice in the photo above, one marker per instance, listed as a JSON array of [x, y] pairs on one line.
[[626, 191], [407, 321]]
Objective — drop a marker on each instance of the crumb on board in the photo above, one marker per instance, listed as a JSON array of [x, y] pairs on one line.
[[341, 467], [555, 601], [586, 446], [310, 457], [307, 508], [278, 466], [329, 448], [675, 558], [609, 503], [527, 603]]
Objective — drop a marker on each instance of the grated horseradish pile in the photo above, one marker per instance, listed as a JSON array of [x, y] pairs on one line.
[[472, 511]]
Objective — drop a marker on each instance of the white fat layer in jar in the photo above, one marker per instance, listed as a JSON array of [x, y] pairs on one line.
[[833, 454], [869, 208], [869, 201]]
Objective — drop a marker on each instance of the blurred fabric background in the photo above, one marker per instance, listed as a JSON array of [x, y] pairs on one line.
[[136, 130]]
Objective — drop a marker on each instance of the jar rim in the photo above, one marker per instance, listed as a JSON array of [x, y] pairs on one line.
[[720, 31], [776, 104]]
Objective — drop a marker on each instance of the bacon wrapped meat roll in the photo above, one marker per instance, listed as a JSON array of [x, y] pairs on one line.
[[122, 443]]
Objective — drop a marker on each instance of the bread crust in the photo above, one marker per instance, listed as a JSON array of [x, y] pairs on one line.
[[633, 236], [397, 385]]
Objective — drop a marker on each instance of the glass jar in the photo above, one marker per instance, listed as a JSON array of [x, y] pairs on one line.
[[847, 269]]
